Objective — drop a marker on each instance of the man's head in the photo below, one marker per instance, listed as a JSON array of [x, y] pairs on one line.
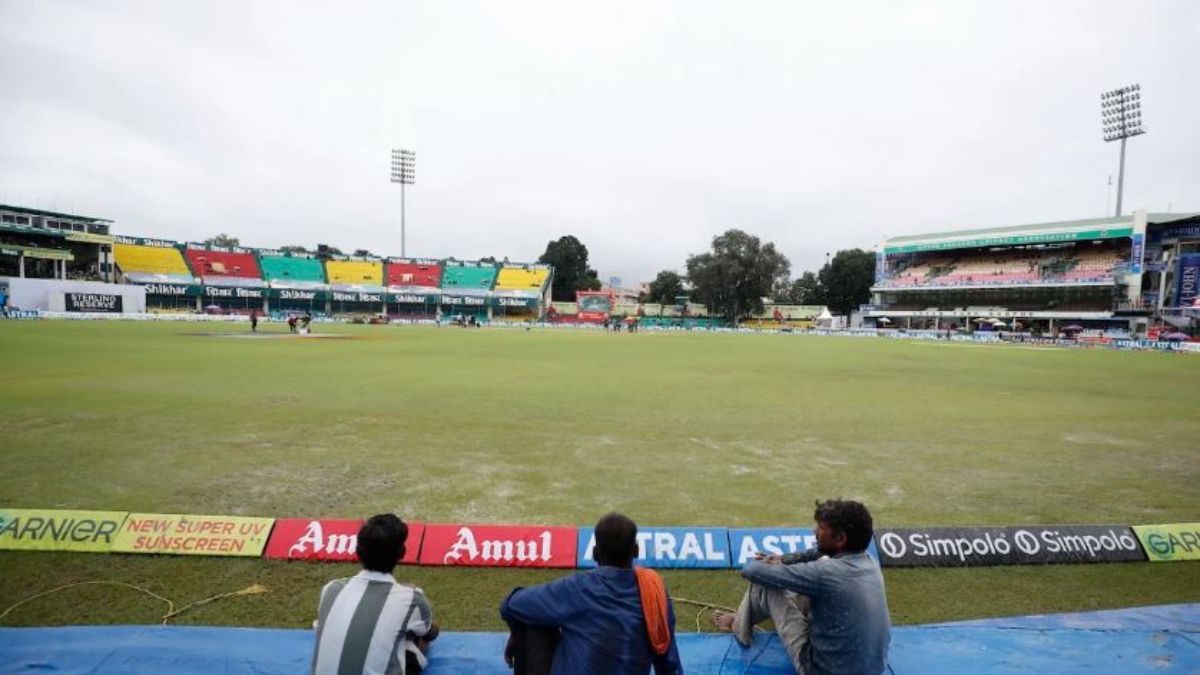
[[381, 542], [616, 541], [843, 526]]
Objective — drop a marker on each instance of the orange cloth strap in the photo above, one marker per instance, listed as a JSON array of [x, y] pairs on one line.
[[653, 593]]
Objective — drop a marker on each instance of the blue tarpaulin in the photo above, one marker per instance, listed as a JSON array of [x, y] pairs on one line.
[[1162, 640]]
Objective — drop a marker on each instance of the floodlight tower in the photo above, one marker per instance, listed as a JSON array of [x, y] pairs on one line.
[[404, 171], [1121, 115]]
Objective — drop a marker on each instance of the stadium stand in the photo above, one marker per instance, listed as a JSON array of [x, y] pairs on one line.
[[286, 271], [150, 264], [1075, 264], [512, 278], [413, 275], [354, 273], [463, 278], [1109, 275], [228, 268]]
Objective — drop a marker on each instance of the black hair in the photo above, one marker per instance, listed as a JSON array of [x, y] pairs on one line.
[[850, 518], [616, 540], [381, 542]]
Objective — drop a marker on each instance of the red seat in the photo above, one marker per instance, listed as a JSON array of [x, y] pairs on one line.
[[221, 264]]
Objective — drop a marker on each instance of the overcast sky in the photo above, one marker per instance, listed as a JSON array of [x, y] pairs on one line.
[[643, 128]]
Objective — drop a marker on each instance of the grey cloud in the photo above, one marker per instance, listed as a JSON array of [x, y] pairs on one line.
[[643, 128]]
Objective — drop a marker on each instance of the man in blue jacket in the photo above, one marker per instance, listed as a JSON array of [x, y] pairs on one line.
[[614, 620], [828, 605]]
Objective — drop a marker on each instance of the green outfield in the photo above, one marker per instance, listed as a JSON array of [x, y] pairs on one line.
[[558, 427]]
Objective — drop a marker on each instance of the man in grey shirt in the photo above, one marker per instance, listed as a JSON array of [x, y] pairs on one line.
[[828, 604]]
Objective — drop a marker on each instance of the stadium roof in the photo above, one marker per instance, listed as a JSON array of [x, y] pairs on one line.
[[52, 214], [1016, 235]]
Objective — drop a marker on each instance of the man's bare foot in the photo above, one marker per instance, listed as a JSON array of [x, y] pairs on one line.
[[724, 621]]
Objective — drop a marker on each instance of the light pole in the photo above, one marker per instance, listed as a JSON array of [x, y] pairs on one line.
[[404, 167], [1121, 116]]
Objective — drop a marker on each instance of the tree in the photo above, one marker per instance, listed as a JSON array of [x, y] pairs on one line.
[[222, 240], [847, 279], [293, 249], [737, 274], [324, 252], [363, 253], [664, 289], [806, 290], [569, 257]]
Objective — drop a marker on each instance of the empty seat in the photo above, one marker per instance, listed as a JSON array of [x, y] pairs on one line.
[[287, 269], [156, 260], [475, 278], [224, 264], [354, 272], [423, 275], [521, 279]]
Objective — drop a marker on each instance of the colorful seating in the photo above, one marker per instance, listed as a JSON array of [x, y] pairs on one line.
[[282, 269], [521, 279], [1086, 263], [413, 275], [151, 262], [354, 273], [456, 278], [225, 266]]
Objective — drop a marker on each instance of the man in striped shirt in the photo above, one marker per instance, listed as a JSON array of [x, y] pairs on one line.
[[369, 624]]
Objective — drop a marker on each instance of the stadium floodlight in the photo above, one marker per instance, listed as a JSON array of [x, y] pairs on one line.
[[1121, 119], [404, 172]]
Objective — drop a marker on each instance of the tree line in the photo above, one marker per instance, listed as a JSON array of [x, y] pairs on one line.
[[734, 277]]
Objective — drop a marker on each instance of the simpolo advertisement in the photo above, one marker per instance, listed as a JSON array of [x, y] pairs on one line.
[[92, 302], [1033, 544]]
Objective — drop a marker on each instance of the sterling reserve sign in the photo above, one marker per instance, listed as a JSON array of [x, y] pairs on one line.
[[92, 302]]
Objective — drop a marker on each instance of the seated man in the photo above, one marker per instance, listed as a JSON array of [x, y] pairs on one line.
[[614, 620], [368, 623], [828, 604]]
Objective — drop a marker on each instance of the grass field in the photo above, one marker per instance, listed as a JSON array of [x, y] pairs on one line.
[[453, 425]]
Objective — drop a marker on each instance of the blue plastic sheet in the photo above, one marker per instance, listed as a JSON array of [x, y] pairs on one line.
[[1161, 640]]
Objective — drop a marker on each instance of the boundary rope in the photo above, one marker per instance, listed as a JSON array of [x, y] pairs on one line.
[[171, 612]]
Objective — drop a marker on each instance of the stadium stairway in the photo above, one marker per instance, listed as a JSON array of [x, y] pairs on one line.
[[1163, 639]]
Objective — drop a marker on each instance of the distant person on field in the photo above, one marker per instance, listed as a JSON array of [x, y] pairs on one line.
[[292, 323], [254, 321], [369, 623], [305, 321], [828, 604], [613, 620]]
